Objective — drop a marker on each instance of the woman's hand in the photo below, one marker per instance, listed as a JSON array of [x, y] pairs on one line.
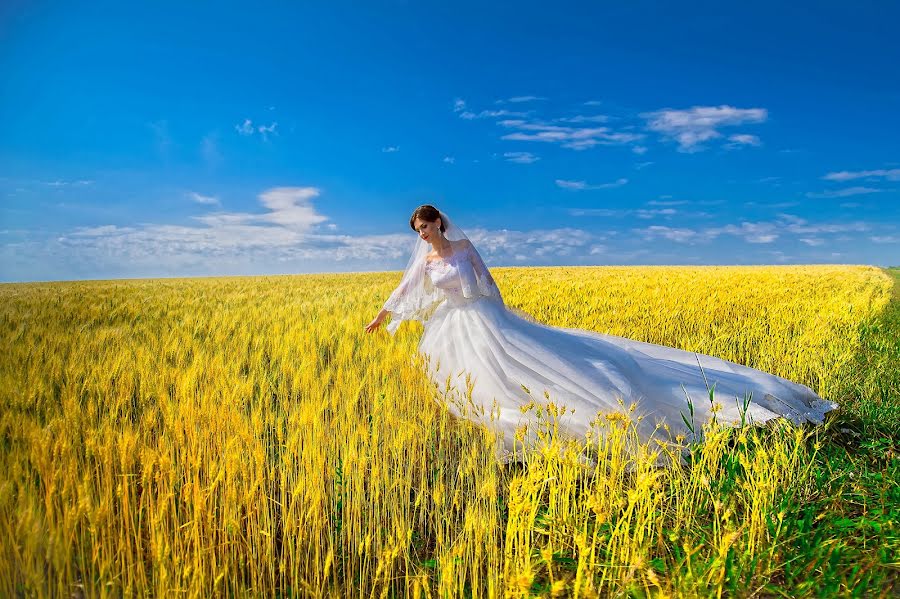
[[376, 322]]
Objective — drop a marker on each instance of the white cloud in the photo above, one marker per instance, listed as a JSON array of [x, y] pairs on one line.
[[245, 128], [519, 99], [449, 159], [541, 243], [582, 185], [889, 174], [286, 232], [680, 235], [58, 183], [813, 241], [666, 202], [485, 114], [761, 232], [390, 149], [639, 150], [598, 212], [885, 238], [801, 226], [842, 193], [742, 139], [621, 212], [567, 136], [100, 231], [266, 130], [521, 157], [693, 126], [575, 138], [645, 213], [583, 118], [202, 199], [289, 207]]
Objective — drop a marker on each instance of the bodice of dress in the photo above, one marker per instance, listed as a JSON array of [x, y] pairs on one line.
[[448, 274]]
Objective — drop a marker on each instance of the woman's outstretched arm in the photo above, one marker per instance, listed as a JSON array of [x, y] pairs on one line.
[[398, 293]]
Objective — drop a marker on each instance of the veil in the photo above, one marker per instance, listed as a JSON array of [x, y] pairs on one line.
[[415, 298]]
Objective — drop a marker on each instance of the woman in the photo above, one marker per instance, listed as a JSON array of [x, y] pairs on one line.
[[468, 331]]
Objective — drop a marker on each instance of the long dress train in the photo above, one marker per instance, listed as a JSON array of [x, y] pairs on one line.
[[500, 351]]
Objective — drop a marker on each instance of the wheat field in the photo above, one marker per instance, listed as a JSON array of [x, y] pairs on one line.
[[244, 437]]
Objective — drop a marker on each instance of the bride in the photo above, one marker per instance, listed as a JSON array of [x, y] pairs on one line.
[[510, 359]]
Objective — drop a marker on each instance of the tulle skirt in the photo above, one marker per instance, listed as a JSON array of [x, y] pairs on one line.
[[497, 361]]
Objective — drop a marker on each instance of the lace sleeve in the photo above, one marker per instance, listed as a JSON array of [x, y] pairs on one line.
[[414, 298], [486, 284]]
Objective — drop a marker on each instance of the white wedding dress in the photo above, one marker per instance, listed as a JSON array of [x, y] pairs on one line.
[[500, 351]]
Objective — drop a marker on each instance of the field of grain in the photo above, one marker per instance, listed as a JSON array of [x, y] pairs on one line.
[[245, 437]]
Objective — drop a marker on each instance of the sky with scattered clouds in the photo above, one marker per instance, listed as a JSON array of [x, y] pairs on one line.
[[172, 139]]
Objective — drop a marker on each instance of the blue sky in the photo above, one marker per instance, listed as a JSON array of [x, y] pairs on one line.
[[197, 139]]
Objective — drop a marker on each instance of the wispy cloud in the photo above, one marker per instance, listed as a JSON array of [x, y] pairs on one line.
[[541, 243], [771, 205], [575, 138], [680, 235], [693, 126], [892, 174], [289, 235], [582, 185], [885, 238], [449, 159], [564, 131], [390, 149], [289, 207], [521, 157], [666, 202], [842, 193], [76, 183], [520, 99], [486, 114], [247, 128], [760, 232], [742, 139], [203, 199], [583, 118], [266, 130], [621, 212], [460, 108], [289, 231]]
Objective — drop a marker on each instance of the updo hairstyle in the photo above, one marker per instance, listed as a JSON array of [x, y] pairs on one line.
[[426, 212]]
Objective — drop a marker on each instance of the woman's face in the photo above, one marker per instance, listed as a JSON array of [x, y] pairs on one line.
[[429, 231]]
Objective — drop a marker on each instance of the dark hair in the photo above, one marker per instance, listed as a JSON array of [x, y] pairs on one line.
[[425, 212]]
